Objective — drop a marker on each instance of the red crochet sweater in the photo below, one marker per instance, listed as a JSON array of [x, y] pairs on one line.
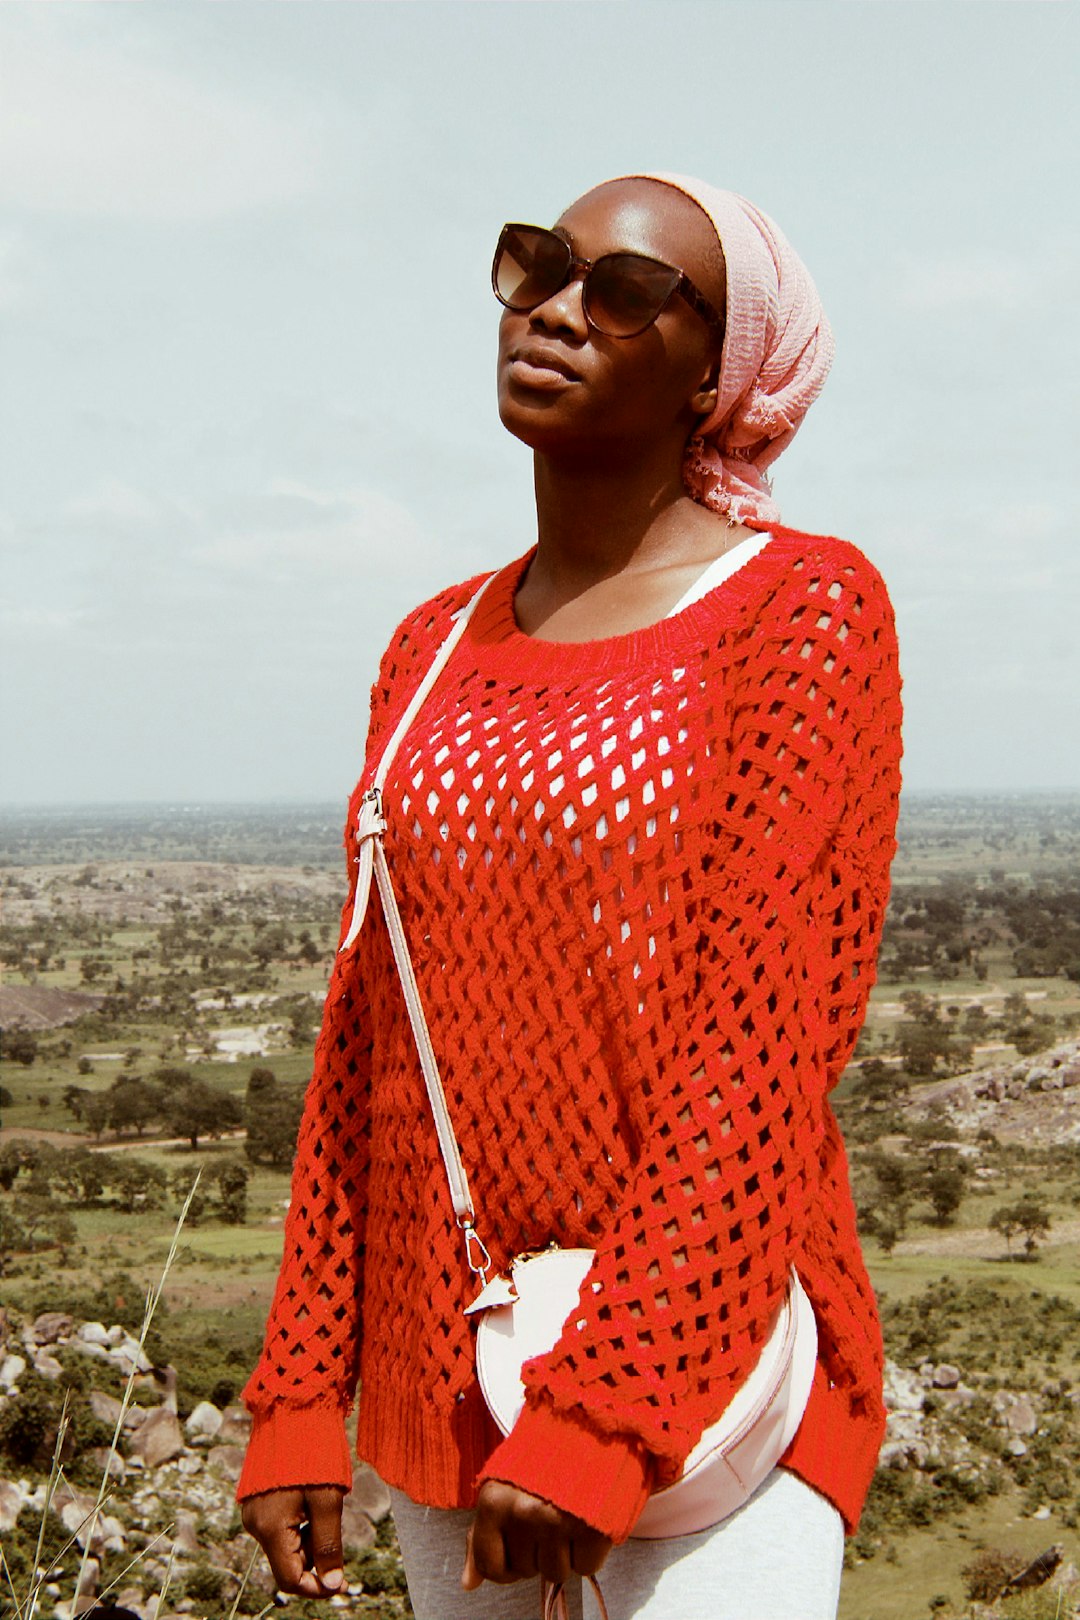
[[643, 881]]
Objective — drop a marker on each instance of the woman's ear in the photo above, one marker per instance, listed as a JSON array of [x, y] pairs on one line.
[[703, 400]]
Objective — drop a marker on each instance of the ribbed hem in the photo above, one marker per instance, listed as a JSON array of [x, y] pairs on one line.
[[296, 1445], [602, 1479], [836, 1452], [431, 1453]]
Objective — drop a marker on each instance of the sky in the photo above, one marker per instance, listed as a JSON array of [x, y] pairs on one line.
[[247, 340]]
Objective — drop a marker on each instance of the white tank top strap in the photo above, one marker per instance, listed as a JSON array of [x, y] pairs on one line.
[[722, 568]]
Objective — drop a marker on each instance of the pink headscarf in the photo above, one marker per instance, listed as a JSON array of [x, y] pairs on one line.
[[778, 348]]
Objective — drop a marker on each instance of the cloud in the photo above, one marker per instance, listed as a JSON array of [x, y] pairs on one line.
[[97, 127], [15, 269], [992, 283]]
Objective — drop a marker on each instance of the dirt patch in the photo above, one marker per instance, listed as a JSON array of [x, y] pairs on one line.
[[35, 1006]]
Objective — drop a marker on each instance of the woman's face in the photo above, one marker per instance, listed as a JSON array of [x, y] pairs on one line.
[[564, 386]]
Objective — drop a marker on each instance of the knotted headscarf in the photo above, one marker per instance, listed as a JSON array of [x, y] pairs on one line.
[[778, 348]]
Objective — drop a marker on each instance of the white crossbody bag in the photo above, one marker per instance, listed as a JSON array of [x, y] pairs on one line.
[[521, 1313]]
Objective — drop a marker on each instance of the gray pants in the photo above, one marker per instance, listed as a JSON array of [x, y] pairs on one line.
[[778, 1558]]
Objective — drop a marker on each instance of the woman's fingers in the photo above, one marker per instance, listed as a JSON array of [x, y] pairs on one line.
[[290, 1525], [589, 1549], [515, 1536], [324, 1535]]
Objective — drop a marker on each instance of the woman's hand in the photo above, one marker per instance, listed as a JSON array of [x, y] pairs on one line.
[[515, 1535], [299, 1530]]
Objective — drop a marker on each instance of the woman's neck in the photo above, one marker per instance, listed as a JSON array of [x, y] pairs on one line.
[[616, 546]]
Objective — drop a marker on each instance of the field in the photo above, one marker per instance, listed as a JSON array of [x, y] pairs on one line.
[[196, 946]]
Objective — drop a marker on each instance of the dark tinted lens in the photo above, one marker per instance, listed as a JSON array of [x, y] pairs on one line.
[[529, 266], [625, 293]]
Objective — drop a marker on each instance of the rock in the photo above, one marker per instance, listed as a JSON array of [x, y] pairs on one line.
[[186, 1538], [903, 1391], [47, 1366], [1014, 1089], [945, 1376], [1015, 1412], [962, 1395], [1041, 1513], [52, 1326], [1016, 1448], [11, 1370], [369, 1493], [116, 1335], [226, 1461], [108, 1462], [93, 1333], [105, 1534], [158, 1438], [204, 1423], [10, 1503], [235, 1426], [98, 1350], [106, 1408], [128, 1357], [357, 1530], [1054, 1082], [191, 1464]]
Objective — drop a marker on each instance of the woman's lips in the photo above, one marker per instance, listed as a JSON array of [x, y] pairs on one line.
[[541, 368]]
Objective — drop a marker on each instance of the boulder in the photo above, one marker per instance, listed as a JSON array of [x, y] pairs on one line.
[[1015, 1412], [11, 1370], [357, 1530], [903, 1391], [235, 1426], [186, 1536], [106, 1408], [51, 1326], [10, 1503], [226, 1461], [369, 1493], [129, 1357], [47, 1366], [93, 1333], [945, 1376], [107, 1461], [105, 1533], [158, 1439], [204, 1424]]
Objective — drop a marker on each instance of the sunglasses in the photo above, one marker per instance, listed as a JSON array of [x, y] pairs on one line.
[[622, 293]]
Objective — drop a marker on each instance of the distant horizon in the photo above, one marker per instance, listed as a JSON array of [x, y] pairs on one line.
[[75, 807]]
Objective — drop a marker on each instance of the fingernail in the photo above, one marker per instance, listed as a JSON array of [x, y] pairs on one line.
[[333, 1577]]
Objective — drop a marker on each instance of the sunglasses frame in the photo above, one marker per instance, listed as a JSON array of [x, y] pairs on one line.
[[575, 266]]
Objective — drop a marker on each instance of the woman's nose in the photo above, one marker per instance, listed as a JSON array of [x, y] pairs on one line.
[[564, 311]]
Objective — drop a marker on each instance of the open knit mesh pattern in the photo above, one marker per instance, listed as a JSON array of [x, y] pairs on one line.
[[643, 882]]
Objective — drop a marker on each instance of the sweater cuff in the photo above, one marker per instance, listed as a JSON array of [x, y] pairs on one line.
[[602, 1479], [296, 1445]]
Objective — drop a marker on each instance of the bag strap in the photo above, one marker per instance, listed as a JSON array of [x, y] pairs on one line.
[[371, 861], [553, 1599]]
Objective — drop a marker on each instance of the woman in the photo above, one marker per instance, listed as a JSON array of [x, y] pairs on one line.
[[640, 834]]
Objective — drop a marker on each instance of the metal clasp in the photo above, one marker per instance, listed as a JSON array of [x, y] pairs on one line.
[[479, 1261]]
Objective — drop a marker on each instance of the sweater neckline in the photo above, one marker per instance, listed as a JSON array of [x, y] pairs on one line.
[[501, 647]]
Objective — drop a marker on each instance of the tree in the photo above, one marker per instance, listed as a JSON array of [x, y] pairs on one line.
[[135, 1184], [199, 1109], [1028, 1215], [20, 1046], [262, 1082], [945, 1188], [1004, 1220], [133, 1104], [232, 1180], [271, 1128]]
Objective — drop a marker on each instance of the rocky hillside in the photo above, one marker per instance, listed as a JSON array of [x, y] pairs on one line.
[[170, 1512]]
